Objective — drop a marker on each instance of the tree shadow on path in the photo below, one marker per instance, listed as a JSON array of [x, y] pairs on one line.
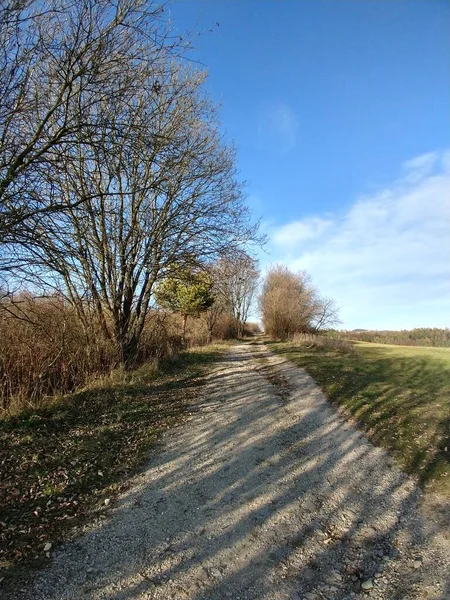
[[257, 497]]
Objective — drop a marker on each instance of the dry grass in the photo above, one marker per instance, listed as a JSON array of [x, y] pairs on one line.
[[60, 462], [310, 340], [44, 351], [422, 336]]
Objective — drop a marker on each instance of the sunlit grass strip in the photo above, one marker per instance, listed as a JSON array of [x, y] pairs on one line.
[[399, 394]]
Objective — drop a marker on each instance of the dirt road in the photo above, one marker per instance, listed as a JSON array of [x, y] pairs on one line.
[[266, 493]]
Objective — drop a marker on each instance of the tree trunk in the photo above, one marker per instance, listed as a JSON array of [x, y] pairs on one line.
[[240, 328], [127, 343], [185, 318], [129, 353]]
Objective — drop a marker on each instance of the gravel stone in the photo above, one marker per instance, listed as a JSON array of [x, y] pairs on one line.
[[367, 585], [220, 510]]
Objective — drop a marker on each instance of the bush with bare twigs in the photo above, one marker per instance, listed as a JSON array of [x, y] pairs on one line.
[[311, 340], [44, 351], [290, 304], [421, 336]]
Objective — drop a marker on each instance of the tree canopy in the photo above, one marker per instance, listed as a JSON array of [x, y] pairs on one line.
[[290, 304], [186, 292], [112, 166]]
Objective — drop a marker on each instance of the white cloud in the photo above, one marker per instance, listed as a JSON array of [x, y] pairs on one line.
[[278, 127], [419, 167], [387, 260], [297, 232]]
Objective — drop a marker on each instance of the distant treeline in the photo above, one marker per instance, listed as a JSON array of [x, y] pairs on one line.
[[423, 336]]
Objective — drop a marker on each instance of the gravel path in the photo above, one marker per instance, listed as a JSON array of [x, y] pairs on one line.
[[266, 493]]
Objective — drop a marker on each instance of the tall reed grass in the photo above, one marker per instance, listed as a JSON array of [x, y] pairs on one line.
[[45, 352]]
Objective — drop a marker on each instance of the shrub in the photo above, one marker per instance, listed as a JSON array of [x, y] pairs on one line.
[[327, 343], [290, 304], [225, 327], [422, 336], [161, 337], [252, 329], [44, 350]]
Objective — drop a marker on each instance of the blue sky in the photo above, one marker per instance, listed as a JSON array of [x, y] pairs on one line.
[[340, 110]]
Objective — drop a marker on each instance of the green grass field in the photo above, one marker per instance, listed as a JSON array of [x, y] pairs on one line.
[[399, 394]]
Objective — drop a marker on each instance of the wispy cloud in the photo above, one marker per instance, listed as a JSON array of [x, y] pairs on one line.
[[295, 233], [387, 259], [420, 166], [278, 127]]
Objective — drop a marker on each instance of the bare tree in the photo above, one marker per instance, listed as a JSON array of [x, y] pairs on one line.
[[237, 281], [219, 306], [157, 190], [326, 314], [59, 60], [290, 304]]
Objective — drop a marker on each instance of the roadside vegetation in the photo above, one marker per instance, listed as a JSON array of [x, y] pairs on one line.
[[400, 395], [290, 304], [115, 182], [421, 336], [61, 464], [44, 353]]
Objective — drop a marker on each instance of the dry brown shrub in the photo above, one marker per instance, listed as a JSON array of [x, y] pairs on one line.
[[197, 328], [290, 304], [161, 337], [286, 302], [44, 352], [252, 329], [225, 327], [311, 340], [197, 332]]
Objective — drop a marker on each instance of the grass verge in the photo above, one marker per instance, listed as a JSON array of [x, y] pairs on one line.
[[400, 395], [59, 464]]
